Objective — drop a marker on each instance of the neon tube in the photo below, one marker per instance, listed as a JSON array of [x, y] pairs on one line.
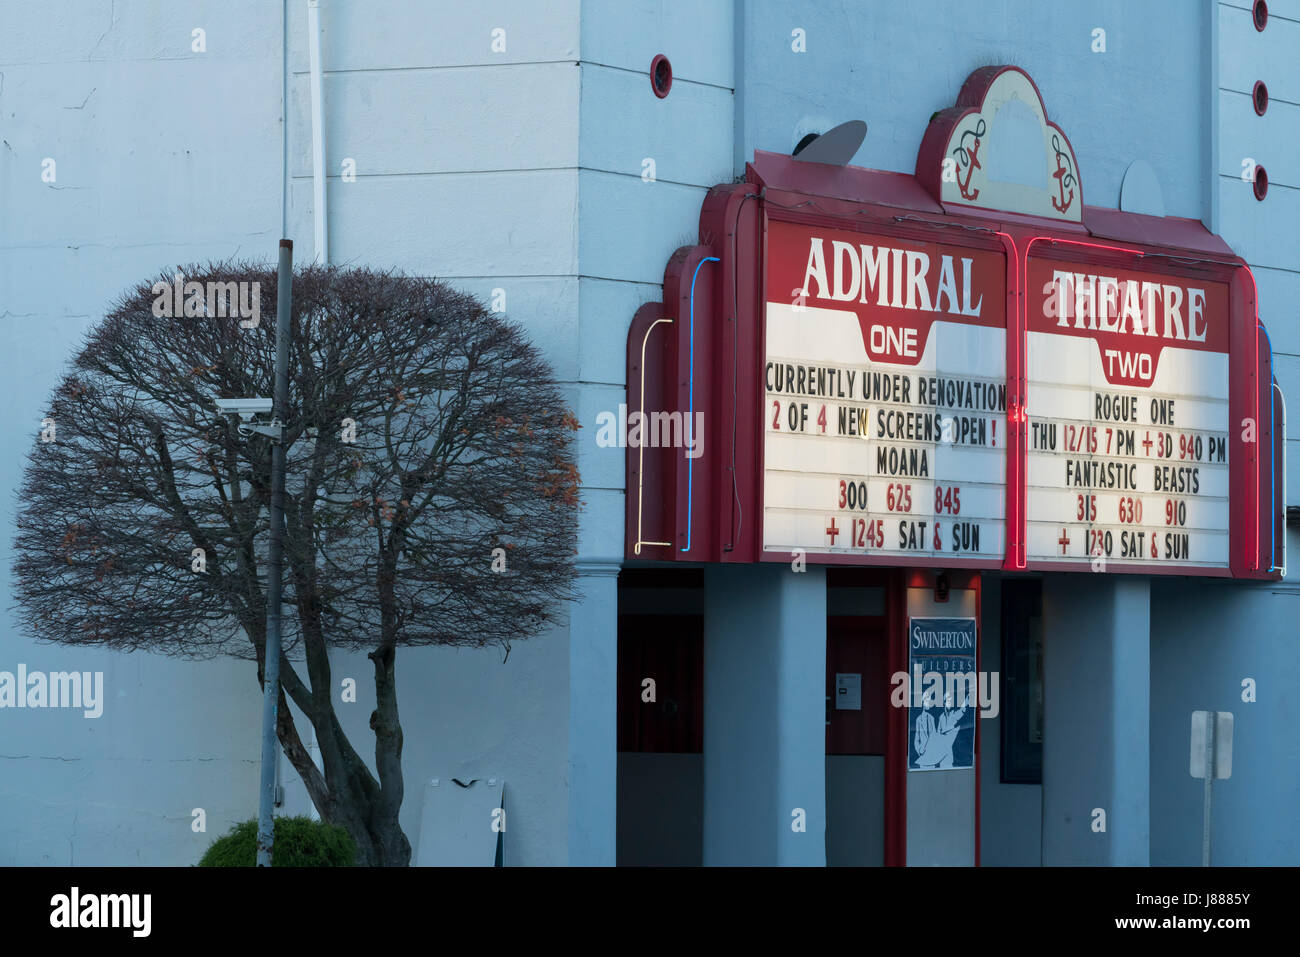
[[1272, 458], [690, 462], [640, 469]]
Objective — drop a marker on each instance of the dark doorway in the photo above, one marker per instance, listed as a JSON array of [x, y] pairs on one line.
[[660, 717], [857, 708]]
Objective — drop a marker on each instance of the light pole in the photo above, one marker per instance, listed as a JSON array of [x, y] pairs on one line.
[[248, 409], [271, 667]]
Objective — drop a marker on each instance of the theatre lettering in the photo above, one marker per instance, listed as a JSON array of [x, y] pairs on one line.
[[867, 269]]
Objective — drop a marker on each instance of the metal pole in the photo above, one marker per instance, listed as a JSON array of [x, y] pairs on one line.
[[1210, 720], [271, 669]]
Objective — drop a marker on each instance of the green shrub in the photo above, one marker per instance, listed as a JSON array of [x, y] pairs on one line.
[[299, 842]]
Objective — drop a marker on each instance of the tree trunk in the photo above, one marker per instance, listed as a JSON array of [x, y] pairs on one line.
[[348, 795], [345, 792], [385, 723]]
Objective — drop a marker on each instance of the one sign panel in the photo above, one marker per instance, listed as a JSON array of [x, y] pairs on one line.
[[944, 694], [1128, 418], [885, 395]]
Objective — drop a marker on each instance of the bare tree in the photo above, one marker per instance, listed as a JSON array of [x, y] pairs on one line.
[[431, 498]]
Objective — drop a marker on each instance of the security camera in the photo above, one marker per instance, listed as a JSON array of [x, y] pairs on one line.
[[246, 409]]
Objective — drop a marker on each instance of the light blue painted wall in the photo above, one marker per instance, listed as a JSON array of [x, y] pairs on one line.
[[644, 166], [466, 166], [764, 715], [1096, 729], [1205, 640], [631, 217], [1010, 814], [466, 169], [1204, 643], [162, 156], [1264, 233], [893, 64]]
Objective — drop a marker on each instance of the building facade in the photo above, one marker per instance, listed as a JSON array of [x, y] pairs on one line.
[[554, 159]]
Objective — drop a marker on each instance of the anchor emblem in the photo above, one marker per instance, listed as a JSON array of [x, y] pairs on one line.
[[969, 159], [1060, 177], [1064, 177], [966, 192]]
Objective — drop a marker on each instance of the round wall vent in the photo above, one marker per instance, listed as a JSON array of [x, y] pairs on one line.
[[1261, 183], [661, 75], [1260, 97]]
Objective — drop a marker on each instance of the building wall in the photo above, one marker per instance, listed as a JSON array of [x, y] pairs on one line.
[[1206, 642], [633, 216], [1010, 814], [644, 167], [525, 171], [764, 716], [855, 810], [162, 156], [1263, 233], [1097, 804], [862, 63], [466, 168], [466, 163]]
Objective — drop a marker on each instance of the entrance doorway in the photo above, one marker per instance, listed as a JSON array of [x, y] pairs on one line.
[[857, 711], [660, 717], [863, 733]]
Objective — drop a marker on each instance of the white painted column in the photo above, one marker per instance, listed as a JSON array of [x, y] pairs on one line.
[[764, 715], [1097, 719], [593, 716]]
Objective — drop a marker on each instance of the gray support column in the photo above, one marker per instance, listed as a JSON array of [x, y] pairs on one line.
[[1097, 723], [593, 716], [764, 715]]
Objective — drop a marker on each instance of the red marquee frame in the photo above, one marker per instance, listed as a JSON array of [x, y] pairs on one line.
[[700, 350]]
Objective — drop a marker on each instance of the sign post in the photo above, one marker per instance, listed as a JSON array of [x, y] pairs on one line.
[[1211, 758]]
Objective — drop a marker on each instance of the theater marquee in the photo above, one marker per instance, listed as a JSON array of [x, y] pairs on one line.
[[885, 370], [885, 395]]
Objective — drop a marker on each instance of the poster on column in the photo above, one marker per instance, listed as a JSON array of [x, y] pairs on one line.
[[942, 688]]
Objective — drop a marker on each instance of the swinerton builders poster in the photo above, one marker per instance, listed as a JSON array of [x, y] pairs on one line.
[[941, 718]]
